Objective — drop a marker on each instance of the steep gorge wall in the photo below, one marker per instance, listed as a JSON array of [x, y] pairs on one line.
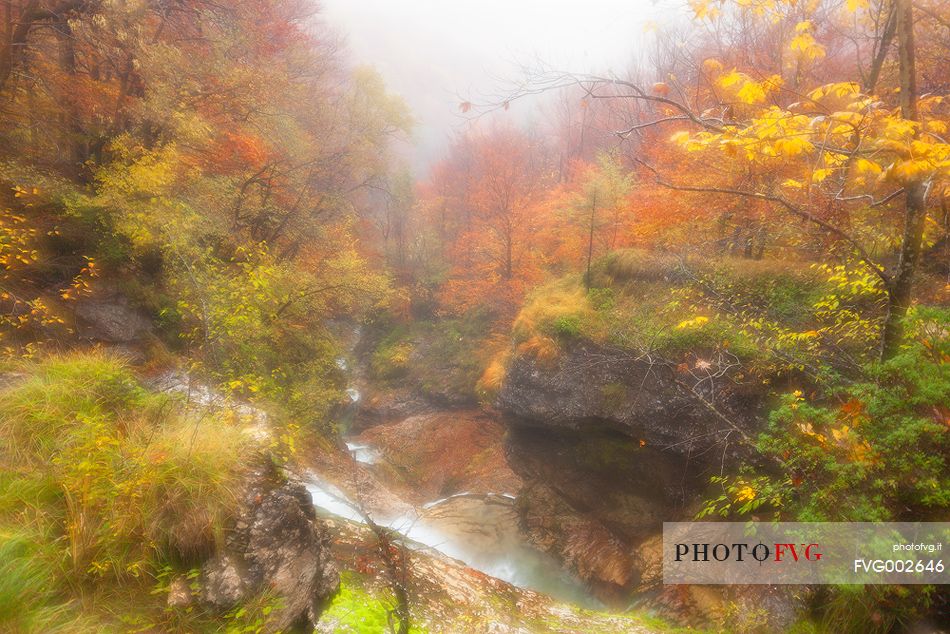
[[610, 445]]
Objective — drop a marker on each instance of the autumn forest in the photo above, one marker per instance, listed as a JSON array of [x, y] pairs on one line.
[[263, 371]]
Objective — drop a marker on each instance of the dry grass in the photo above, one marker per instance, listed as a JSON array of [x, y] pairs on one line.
[[494, 375], [551, 310], [541, 348], [628, 265], [112, 481]]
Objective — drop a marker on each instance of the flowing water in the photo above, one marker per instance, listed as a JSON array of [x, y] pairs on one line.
[[480, 531]]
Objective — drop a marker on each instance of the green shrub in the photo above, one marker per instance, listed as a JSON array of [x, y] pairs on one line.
[[559, 308], [874, 450], [443, 358], [567, 326], [602, 299], [391, 357]]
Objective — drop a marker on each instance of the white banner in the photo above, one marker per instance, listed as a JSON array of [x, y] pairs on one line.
[[805, 553]]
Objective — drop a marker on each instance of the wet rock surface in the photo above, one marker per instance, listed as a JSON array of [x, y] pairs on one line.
[[598, 448], [610, 446], [447, 596], [441, 453], [278, 546], [590, 498]]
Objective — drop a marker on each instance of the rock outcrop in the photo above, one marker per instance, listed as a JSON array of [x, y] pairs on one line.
[[442, 453], [110, 318], [276, 546], [592, 496], [683, 407], [610, 445]]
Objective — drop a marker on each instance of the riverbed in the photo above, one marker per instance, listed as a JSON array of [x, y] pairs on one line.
[[479, 529]]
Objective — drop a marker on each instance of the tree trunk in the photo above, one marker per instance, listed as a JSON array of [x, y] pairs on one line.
[[74, 136], [899, 294], [590, 241], [915, 214], [32, 13], [509, 239], [13, 48], [887, 36]]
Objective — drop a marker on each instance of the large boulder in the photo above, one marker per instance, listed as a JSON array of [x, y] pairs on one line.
[[686, 406], [278, 546], [610, 444], [110, 318]]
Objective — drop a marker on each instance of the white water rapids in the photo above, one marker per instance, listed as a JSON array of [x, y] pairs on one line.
[[478, 530]]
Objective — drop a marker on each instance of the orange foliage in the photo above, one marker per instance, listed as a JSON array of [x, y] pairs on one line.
[[485, 202]]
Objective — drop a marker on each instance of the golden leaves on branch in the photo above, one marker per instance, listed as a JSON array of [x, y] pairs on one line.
[[835, 132]]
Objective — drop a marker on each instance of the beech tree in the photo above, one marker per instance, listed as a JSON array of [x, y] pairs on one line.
[[827, 154]]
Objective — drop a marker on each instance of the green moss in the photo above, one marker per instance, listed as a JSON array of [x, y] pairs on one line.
[[357, 609]]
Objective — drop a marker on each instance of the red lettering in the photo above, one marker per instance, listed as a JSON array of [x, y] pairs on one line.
[[781, 548]]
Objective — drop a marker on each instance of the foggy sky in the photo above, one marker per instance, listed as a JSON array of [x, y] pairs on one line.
[[436, 52]]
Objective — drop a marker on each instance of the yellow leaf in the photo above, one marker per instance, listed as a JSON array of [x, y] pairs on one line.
[[751, 93], [805, 43], [746, 493], [730, 79], [906, 172], [680, 138], [937, 127], [712, 66], [696, 322], [840, 434], [703, 8]]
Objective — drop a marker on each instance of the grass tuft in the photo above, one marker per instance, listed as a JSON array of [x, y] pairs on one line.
[[104, 482]]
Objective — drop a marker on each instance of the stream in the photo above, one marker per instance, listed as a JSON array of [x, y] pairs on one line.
[[479, 530]]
